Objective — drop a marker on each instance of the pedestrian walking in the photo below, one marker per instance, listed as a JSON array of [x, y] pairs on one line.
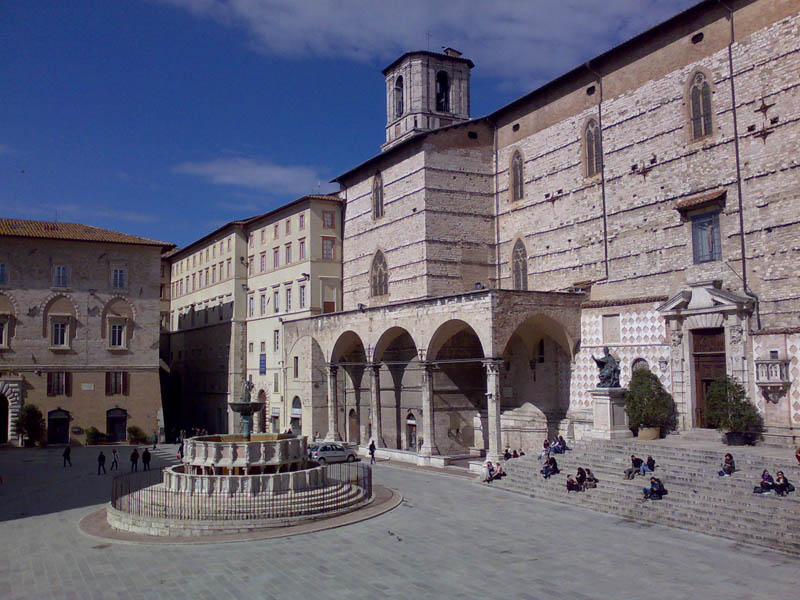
[[101, 462], [114, 460], [155, 440], [67, 456], [134, 460], [372, 452], [146, 460]]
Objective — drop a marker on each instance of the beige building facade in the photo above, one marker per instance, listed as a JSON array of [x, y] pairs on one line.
[[231, 292], [79, 313], [646, 202]]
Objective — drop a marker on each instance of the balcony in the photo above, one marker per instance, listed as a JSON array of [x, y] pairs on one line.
[[772, 378]]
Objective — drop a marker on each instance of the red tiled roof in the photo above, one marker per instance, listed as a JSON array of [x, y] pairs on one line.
[[53, 230], [693, 201]]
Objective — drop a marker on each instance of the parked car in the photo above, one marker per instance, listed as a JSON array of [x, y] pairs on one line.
[[329, 452]]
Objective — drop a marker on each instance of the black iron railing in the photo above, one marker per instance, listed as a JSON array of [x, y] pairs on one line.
[[144, 494]]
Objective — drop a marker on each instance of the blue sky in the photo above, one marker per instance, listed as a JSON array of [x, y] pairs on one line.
[[167, 118]]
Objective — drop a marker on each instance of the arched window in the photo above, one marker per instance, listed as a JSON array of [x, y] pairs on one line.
[[517, 189], [442, 92], [379, 275], [398, 97], [519, 263], [594, 154], [377, 196], [700, 106]]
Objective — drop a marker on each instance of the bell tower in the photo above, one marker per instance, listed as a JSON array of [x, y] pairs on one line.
[[424, 91]]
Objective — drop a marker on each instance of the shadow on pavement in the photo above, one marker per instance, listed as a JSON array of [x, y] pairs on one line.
[[36, 483]]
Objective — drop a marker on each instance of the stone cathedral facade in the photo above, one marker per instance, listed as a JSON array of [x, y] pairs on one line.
[[647, 201]]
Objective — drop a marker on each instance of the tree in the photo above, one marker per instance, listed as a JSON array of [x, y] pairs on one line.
[[648, 404], [30, 423], [728, 408]]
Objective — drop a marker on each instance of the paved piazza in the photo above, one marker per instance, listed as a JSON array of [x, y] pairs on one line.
[[451, 538]]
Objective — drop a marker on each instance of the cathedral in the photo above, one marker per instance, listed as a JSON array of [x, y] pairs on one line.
[[647, 202]]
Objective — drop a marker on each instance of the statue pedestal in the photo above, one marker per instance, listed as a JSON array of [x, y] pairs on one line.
[[610, 418]]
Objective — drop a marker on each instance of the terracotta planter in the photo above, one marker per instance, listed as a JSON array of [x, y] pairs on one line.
[[649, 433]]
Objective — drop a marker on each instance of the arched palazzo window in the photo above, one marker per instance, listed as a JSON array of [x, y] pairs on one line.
[[377, 196], [594, 154], [398, 97], [519, 265], [517, 189], [379, 275], [700, 106], [442, 92]]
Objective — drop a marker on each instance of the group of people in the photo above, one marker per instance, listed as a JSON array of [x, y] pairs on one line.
[[584, 479], [557, 446], [777, 486], [508, 454], [641, 466], [492, 472], [145, 456]]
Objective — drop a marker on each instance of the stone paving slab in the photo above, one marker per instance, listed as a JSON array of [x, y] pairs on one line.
[[449, 538]]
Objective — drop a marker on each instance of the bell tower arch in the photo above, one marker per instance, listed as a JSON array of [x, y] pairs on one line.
[[424, 91]]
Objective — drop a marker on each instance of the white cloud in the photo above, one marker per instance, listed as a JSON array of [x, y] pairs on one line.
[[523, 42], [259, 174]]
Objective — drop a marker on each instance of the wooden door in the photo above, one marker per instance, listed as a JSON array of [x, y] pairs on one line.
[[709, 364]]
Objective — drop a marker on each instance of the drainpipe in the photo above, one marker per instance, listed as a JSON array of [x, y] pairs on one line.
[[602, 165], [738, 162]]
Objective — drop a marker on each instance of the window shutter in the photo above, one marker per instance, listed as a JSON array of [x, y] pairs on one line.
[[126, 383], [68, 384], [108, 383], [50, 384]]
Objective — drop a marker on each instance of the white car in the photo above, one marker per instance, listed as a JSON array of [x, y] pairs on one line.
[[329, 452]]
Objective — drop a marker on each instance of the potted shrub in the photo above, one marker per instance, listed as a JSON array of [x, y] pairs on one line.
[[94, 436], [30, 423], [729, 410], [136, 435], [650, 407]]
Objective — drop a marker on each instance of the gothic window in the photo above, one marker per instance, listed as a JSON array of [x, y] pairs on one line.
[[442, 92], [700, 106], [398, 97], [517, 189], [519, 262], [594, 155], [377, 196], [379, 276], [706, 238]]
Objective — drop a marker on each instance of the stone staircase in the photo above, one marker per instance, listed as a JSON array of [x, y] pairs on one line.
[[698, 499]]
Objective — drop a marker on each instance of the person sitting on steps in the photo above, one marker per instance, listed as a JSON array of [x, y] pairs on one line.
[[545, 449], [648, 466], [498, 472], [728, 466], [507, 454], [515, 454], [563, 443], [572, 485], [782, 485], [550, 467], [636, 465], [580, 479], [488, 472], [656, 491], [591, 480], [767, 484]]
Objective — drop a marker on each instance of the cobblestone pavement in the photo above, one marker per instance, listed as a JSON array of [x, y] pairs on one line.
[[451, 538]]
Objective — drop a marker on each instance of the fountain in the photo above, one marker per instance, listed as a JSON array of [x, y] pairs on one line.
[[237, 483], [246, 408]]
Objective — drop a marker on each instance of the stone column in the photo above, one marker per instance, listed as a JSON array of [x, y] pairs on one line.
[[333, 406], [495, 451], [375, 404], [429, 447]]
